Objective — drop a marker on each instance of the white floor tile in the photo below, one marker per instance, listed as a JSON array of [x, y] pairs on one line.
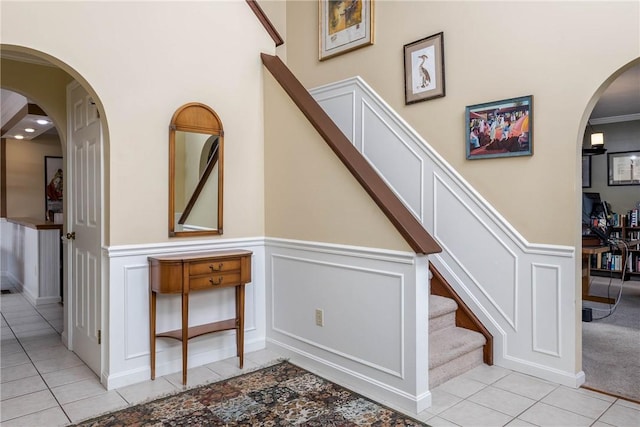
[[471, 414], [24, 405], [147, 390], [574, 401], [229, 367], [502, 401], [52, 417], [68, 376], [440, 422], [10, 348], [76, 391], [16, 372], [546, 415], [517, 422], [52, 352], [620, 415], [195, 377], [94, 406], [441, 400], [628, 404], [21, 387], [461, 387], [487, 374], [51, 365], [14, 359], [525, 385], [262, 357]]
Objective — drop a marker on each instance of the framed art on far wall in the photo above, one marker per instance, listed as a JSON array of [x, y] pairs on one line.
[[344, 26], [424, 69], [53, 185], [500, 129], [623, 168], [586, 171]]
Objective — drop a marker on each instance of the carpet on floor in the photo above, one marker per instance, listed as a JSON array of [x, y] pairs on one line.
[[279, 395], [611, 345]]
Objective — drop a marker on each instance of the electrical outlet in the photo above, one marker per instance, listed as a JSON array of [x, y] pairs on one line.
[[319, 317]]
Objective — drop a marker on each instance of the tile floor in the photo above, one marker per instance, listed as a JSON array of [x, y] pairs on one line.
[[44, 384]]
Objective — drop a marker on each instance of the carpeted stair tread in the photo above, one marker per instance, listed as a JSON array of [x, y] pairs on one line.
[[448, 344], [439, 306]]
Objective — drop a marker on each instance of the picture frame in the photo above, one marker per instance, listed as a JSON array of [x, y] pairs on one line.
[[53, 186], [424, 69], [623, 168], [586, 171], [344, 26], [500, 128]]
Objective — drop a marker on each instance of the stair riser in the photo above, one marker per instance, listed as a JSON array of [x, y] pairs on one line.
[[441, 322], [455, 367]]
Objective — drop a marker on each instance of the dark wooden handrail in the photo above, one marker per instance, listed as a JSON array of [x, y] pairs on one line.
[[262, 17], [404, 221]]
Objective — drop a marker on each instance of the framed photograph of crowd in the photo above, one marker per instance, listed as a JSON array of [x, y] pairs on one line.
[[424, 69], [500, 129], [344, 25]]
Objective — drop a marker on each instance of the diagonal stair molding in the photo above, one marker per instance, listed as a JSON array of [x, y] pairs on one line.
[[406, 224], [524, 293]]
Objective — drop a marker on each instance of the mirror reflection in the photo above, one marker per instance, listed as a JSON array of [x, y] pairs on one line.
[[195, 186]]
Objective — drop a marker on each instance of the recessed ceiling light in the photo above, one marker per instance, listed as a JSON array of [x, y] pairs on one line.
[[19, 137], [29, 130], [42, 122]]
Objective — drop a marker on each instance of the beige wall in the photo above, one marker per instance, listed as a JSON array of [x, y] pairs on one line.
[[25, 175], [139, 72], [559, 52], [310, 195]]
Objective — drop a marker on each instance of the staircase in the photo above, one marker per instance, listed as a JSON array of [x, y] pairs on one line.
[[452, 350], [458, 341]]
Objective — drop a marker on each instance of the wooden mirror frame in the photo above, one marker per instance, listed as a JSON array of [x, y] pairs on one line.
[[195, 117]]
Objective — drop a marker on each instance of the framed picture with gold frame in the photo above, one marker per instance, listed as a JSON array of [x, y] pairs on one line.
[[344, 25]]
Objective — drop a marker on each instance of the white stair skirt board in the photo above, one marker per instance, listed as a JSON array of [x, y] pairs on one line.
[[452, 350]]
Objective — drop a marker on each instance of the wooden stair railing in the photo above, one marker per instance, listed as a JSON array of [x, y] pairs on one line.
[[407, 225], [266, 23], [464, 316]]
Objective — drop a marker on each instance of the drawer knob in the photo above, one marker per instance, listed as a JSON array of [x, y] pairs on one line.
[[213, 268], [216, 282]]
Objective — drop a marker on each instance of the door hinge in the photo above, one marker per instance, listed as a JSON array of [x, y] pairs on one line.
[[99, 337]]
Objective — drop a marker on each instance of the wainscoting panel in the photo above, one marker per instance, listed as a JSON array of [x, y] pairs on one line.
[[128, 323], [375, 312], [523, 292]]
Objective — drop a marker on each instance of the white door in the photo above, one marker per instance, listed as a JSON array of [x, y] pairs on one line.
[[84, 148]]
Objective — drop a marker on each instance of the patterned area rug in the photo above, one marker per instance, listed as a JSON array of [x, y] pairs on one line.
[[280, 395]]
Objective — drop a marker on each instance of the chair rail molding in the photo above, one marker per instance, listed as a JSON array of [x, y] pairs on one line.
[[524, 293]]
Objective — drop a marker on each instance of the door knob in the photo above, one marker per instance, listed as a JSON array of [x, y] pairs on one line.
[[71, 236]]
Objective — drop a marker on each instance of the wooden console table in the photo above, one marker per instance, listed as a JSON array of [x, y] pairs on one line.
[[185, 273]]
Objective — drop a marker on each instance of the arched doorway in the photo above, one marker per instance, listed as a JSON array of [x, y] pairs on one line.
[[74, 108], [609, 330]]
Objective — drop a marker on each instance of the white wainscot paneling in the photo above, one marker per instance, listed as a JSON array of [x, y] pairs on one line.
[[356, 299], [490, 266], [407, 180], [545, 306]]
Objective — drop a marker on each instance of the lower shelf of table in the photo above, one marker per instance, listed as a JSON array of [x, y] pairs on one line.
[[196, 331]]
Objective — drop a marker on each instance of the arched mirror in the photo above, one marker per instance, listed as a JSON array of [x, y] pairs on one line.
[[195, 171]]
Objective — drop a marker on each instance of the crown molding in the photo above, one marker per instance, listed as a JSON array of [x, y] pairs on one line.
[[615, 119]]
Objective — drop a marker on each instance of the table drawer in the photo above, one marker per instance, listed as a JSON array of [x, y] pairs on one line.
[[214, 281], [213, 266]]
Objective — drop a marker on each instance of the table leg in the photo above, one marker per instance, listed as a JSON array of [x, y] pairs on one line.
[[240, 323], [185, 335], [152, 333]]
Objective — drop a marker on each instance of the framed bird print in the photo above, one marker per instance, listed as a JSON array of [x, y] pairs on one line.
[[424, 69], [344, 25]]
